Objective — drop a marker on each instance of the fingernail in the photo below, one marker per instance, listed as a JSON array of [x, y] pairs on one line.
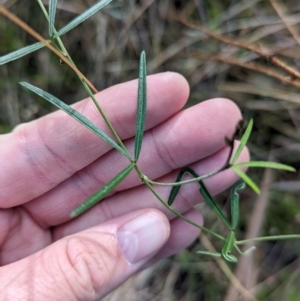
[[141, 237]]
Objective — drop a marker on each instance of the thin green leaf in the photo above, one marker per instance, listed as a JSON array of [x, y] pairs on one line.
[[103, 191], [175, 189], [268, 238], [52, 12], [266, 164], [211, 202], [247, 179], [76, 115], [31, 48], [243, 142], [173, 194], [228, 247], [214, 254], [141, 107], [245, 253], [20, 52], [88, 13], [235, 202]]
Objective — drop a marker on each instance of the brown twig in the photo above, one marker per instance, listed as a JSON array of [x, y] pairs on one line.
[[264, 91], [37, 36], [250, 66], [238, 43]]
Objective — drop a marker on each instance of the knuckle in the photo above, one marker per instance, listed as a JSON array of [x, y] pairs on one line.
[[91, 264]]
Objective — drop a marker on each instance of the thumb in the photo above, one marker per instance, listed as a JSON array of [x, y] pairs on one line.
[[90, 264]]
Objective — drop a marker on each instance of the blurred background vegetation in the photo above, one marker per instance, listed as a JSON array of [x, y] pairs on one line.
[[106, 49]]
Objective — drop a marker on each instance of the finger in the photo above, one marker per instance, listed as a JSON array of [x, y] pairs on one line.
[[142, 197], [20, 235], [181, 236], [187, 137], [51, 149], [90, 264]]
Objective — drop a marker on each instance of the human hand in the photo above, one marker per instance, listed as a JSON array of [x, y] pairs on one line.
[[51, 165]]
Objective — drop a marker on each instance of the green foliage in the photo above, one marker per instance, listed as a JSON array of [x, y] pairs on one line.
[[243, 142], [103, 191], [78, 20], [141, 107], [20, 53], [76, 115], [52, 12], [84, 16]]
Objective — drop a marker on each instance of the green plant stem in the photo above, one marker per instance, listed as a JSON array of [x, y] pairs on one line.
[[266, 238], [86, 87], [108, 123], [180, 215], [225, 166], [139, 172], [250, 250], [187, 181]]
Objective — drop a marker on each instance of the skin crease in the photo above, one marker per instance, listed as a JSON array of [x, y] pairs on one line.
[[50, 165]]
